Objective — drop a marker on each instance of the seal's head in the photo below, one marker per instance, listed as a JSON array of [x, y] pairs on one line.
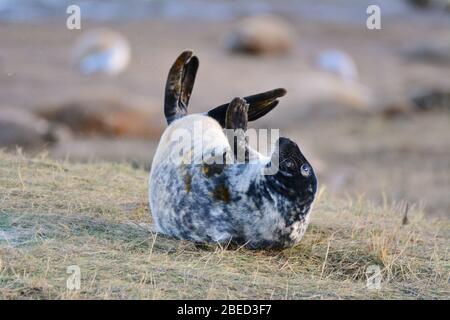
[[295, 176]]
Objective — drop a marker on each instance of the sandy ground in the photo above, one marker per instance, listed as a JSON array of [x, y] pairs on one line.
[[406, 159]]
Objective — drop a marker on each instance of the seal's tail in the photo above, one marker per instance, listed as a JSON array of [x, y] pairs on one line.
[[259, 105], [180, 82]]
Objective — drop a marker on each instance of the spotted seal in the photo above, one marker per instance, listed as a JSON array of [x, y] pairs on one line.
[[200, 200]]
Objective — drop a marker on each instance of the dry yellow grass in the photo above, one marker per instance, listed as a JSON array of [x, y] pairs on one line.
[[57, 214]]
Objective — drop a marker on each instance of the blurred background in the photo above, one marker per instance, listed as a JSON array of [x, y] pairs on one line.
[[369, 108]]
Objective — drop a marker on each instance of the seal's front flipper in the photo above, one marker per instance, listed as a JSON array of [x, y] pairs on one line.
[[236, 116], [259, 105], [236, 121], [180, 82]]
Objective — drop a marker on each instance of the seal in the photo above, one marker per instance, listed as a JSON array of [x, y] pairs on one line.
[[195, 196]]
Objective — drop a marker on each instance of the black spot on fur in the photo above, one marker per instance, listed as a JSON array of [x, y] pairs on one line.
[[222, 193], [210, 170], [188, 182]]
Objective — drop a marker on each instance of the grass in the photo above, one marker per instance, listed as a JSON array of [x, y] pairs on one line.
[[95, 215]]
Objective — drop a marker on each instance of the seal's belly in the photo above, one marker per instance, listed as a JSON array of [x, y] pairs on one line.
[[202, 203], [191, 202]]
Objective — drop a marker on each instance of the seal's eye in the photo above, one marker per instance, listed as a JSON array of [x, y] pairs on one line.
[[305, 170]]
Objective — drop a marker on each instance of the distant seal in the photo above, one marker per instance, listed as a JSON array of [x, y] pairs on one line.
[[22, 128], [203, 201], [105, 117], [101, 51]]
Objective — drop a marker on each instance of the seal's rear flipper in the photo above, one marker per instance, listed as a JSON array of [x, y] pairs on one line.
[[259, 105], [180, 82]]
